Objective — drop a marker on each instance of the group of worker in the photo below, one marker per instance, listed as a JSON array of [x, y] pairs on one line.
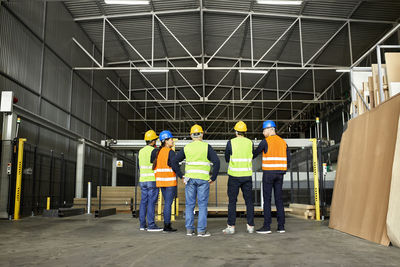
[[159, 168]]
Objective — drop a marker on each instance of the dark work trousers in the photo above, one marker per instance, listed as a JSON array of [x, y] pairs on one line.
[[245, 183], [275, 181]]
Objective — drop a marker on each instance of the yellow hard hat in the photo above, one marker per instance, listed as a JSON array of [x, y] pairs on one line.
[[150, 135], [196, 129], [240, 126]]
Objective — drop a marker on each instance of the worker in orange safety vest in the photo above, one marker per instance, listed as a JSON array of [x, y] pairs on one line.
[[275, 162]]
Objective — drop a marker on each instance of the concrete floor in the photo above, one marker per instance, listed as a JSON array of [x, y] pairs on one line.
[[117, 241]]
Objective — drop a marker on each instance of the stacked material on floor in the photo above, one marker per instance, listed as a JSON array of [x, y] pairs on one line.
[[364, 174], [121, 198], [302, 211], [393, 215], [121, 204]]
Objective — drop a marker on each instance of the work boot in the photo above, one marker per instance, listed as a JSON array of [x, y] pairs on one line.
[[168, 228], [229, 230]]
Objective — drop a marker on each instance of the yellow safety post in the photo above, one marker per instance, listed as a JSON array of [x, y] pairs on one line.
[[177, 207], [316, 179], [48, 203], [19, 178], [159, 206], [173, 211]]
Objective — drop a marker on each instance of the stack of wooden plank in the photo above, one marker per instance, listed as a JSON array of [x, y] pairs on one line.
[[302, 211]]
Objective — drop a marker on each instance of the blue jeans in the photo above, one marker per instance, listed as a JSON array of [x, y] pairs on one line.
[[274, 181], [149, 194], [168, 195], [201, 188]]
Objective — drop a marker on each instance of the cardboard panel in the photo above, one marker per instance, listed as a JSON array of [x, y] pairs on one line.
[[363, 177], [393, 72], [393, 215]]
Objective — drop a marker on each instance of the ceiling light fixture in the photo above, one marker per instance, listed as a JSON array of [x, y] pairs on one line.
[[279, 2], [154, 70], [126, 2], [254, 71], [342, 70]]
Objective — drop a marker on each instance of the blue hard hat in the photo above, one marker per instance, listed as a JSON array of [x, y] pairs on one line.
[[165, 135], [268, 124]]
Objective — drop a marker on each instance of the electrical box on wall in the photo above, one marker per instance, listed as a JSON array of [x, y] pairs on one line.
[[7, 98]]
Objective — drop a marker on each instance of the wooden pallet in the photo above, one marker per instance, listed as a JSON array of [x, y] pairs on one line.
[[304, 211]]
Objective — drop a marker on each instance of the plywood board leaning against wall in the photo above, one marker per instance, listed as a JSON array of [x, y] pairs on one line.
[[393, 215], [361, 192], [393, 72]]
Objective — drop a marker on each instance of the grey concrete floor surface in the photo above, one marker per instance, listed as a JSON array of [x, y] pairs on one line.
[[116, 241]]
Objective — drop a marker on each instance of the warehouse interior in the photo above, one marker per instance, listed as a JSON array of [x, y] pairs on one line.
[[82, 81]]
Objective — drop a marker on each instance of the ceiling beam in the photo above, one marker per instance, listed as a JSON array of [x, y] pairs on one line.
[[227, 11]]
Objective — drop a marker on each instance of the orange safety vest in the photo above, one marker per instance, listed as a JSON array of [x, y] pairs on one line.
[[276, 158], [164, 174]]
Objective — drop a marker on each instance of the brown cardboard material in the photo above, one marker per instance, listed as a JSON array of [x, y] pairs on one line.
[[393, 215], [362, 185], [393, 71]]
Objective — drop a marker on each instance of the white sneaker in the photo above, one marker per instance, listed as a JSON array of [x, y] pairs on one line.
[[281, 231], [250, 229], [229, 230], [204, 234]]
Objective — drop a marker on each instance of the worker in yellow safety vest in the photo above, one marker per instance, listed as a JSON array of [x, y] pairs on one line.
[[239, 155], [147, 182], [165, 175], [199, 155], [275, 162]]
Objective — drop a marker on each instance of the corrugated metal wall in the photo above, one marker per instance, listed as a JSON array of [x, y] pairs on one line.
[[37, 55]]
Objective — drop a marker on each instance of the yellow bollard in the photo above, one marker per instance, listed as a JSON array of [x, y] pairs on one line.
[[177, 207], [19, 178], [159, 206], [173, 211], [48, 203]]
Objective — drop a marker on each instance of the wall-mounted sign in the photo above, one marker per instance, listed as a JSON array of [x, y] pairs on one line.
[[120, 163]]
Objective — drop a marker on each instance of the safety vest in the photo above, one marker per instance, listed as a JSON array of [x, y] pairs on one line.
[[165, 176], [276, 158], [197, 165], [145, 166], [240, 163]]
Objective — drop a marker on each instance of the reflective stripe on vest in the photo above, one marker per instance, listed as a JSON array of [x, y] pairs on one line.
[[149, 167], [275, 159], [163, 170], [164, 174], [240, 163], [197, 171], [145, 166], [197, 165]]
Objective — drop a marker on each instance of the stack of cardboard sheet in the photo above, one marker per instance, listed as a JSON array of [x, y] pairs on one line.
[[369, 94], [393, 215], [393, 73], [364, 175]]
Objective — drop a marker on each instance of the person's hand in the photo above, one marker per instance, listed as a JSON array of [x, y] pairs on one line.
[[210, 181], [185, 179]]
